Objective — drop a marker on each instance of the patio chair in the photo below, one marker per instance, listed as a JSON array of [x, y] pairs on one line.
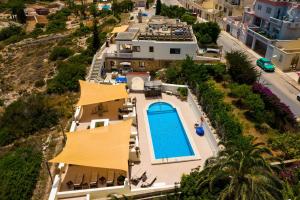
[[77, 184], [94, 179], [110, 178], [85, 184], [136, 180], [144, 185]]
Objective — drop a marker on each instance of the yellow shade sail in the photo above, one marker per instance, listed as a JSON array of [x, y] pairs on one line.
[[104, 147], [92, 93]]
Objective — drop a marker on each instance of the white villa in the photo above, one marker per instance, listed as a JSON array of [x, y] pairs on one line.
[[112, 148]]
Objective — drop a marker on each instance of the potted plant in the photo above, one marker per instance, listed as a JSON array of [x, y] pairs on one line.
[[120, 180]]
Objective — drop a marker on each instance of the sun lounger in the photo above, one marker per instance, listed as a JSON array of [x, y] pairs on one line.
[[144, 185], [135, 180]]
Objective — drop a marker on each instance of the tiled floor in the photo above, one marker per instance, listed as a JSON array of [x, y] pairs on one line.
[[167, 173]]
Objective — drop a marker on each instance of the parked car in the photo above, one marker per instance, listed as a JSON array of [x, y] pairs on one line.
[[298, 97], [265, 64]]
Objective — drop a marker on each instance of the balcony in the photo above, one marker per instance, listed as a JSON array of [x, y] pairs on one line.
[[118, 55], [275, 21], [260, 34]]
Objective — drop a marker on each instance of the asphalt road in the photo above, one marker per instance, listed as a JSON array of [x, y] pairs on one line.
[[275, 81]]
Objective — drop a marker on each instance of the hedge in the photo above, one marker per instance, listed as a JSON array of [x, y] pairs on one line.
[[282, 117]]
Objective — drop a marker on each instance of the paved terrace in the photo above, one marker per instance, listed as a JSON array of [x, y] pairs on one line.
[[168, 173]]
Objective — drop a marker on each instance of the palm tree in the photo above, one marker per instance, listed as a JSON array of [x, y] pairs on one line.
[[242, 173]]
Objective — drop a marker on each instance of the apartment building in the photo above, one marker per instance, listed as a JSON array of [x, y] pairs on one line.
[[266, 23]]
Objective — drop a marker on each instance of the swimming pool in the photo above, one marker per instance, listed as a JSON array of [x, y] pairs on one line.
[[169, 138]]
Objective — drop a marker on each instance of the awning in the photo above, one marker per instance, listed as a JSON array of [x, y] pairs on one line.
[[104, 147], [92, 93], [119, 29]]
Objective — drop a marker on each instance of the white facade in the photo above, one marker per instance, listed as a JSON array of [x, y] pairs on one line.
[[162, 49]]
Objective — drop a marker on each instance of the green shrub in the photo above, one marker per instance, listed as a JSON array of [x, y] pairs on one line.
[[60, 53], [19, 171], [26, 116], [212, 101], [55, 26], [288, 143], [241, 69], [67, 78], [207, 32], [183, 91], [10, 31]]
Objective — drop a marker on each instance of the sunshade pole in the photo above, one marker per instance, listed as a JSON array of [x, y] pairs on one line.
[[48, 168]]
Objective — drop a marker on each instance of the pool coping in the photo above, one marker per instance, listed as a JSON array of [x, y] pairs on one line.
[[155, 161]]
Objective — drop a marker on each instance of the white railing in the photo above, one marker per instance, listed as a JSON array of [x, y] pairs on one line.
[[210, 136], [118, 55]]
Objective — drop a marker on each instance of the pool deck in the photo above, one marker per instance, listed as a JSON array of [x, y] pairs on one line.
[[167, 173]]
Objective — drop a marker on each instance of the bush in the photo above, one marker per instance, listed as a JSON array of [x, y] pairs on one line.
[[57, 21], [240, 68], [288, 144], [283, 118], [183, 92], [26, 116], [67, 78], [207, 32], [10, 31], [19, 171], [60, 53], [211, 99]]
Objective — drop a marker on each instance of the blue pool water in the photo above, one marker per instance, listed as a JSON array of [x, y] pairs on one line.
[[169, 138]]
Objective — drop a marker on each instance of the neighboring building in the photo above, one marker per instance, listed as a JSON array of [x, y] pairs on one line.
[[286, 55], [264, 24], [269, 21], [203, 8], [152, 45]]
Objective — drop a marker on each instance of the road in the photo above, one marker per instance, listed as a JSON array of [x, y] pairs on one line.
[[274, 81], [171, 2]]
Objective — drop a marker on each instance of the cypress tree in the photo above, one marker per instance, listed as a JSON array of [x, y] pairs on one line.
[[158, 7]]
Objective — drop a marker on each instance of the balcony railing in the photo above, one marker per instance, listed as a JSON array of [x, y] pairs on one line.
[[275, 21], [118, 55], [260, 34]]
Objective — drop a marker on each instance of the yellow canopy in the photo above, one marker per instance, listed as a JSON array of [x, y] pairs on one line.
[[103, 147], [91, 93], [119, 29]]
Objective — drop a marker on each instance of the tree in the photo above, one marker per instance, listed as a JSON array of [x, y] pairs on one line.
[[17, 8], [188, 18], [95, 39], [158, 7], [93, 10], [207, 31], [239, 172], [241, 69]]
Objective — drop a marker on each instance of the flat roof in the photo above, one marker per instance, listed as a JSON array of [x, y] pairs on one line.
[[292, 45], [125, 36]]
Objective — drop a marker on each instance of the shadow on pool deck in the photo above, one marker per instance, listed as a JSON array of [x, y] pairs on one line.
[[167, 173]]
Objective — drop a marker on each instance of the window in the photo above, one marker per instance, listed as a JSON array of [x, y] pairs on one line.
[[258, 7], [151, 49], [216, 6], [174, 51], [136, 48], [268, 10], [142, 64]]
